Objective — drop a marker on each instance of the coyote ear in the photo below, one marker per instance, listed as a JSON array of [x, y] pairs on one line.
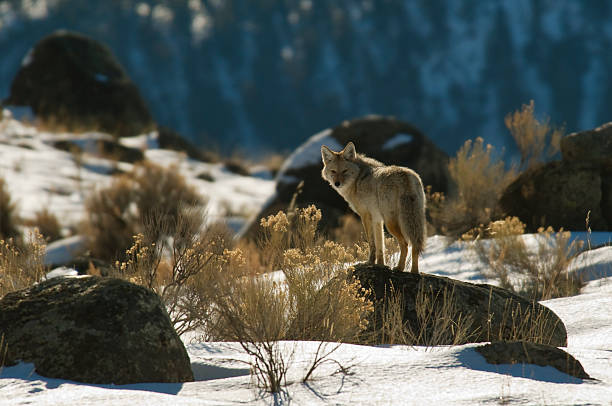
[[327, 154], [349, 151]]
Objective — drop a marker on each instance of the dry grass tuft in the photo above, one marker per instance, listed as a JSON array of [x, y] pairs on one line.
[[181, 265], [537, 141], [8, 216], [438, 321], [480, 179], [47, 224], [116, 213], [539, 275], [21, 265], [314, 300], [517, 324]]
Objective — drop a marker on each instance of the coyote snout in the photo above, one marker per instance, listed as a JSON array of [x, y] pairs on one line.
[[379, 194]]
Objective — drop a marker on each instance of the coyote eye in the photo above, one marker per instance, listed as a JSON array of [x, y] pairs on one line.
[[344, 172], [333, 172]]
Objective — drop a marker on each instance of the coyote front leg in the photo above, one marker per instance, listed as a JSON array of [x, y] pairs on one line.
[[366, 220], [379, 240]]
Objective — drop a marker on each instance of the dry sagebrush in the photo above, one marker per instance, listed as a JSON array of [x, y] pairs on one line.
[[540, 274], [21, 265], [8, 215], [438, 320], [480, 178], [536, 140], [207, 286], [117, 213]]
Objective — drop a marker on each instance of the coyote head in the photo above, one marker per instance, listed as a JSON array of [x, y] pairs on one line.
[[339, 168]]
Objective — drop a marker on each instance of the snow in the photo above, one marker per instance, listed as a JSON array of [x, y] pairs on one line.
[[307, 154], [39, 176], [62, 251], [377, 375], [397, 140]]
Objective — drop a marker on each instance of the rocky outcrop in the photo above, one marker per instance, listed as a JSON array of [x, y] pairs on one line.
[[562, 194], [487, 312], [95, 330], [75, 81], [524, 352], [593, 146], [386, 139]]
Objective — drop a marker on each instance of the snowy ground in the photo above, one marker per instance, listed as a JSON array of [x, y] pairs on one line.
[[40, 176]]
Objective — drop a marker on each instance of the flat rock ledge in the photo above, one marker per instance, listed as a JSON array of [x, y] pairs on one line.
[[523, 352], [491, 312]]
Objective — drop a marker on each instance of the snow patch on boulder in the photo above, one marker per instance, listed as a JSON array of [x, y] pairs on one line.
[[398, 139], [308, 153]]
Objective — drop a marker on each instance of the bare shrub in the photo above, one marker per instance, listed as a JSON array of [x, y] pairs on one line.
[[116, 213], [537, 141], [182, 265], [8, 216], [315, 300], [480, 178], [539, 275], [48, 225], [326, 304], [438, 320], [252, 311], [21, 265]]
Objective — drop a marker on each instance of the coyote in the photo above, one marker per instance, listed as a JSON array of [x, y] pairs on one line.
[[392, 195]]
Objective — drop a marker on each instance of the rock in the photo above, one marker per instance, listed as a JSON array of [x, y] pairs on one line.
[[592, 146], [495, 313], [76, 82], [386, 139], [560, 194], [94, 330], [114, 150], [523, 352], [170, 139]]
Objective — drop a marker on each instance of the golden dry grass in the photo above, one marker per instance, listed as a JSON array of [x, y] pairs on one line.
[[480, 177], [22, 264], [8, 214], [118, 212], [539, 275], [536, 140]]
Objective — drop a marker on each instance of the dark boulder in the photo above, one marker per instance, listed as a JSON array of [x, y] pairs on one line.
[[170, 139], [94, 330], [107, 148], [386, 139], [77, 82], [593, 146], [492, 313], [524, 352], [561, 194], [114, 150]]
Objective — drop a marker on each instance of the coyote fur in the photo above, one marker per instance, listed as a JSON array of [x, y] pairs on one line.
[[379, 194]]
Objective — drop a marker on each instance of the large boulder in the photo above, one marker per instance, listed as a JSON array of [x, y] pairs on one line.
[[386, 139], [492, 313], [524, 352], [593, 146], [94, 330], [561, 194], [77, 82]]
